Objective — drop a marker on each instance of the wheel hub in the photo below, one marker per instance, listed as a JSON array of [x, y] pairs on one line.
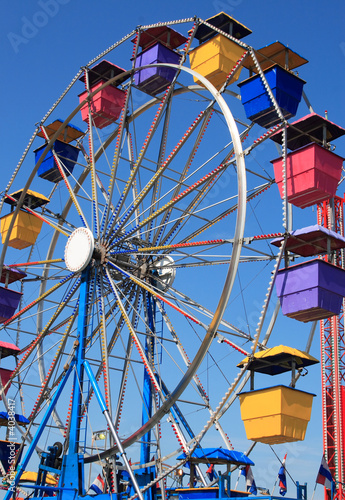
[[100, 253], [165, 272], [79, 249]]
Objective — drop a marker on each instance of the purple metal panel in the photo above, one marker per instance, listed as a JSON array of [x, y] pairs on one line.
[[154, 80], [311, 291], [9, 300], [11, 274], [311, 240], [6, 453]]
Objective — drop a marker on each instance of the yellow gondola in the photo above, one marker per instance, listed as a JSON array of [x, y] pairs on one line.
[[276, 414], [216, 55], [27, 226]]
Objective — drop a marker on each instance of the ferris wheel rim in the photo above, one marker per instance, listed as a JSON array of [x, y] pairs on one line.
[[230, 277]]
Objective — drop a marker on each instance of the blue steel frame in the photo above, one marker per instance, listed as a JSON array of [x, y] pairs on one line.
[[72, 471], [71, 482], [147, 396], [24, 462], [147, 385]]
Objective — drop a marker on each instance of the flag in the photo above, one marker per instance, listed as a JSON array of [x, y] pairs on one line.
[[324, 476], [98, 485], [282, 478], [250, 482], [210, 472]]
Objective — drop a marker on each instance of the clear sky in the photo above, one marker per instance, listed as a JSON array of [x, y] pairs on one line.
[[45, 42]]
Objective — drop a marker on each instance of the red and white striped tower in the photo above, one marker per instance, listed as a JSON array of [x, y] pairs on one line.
[[331, 215]]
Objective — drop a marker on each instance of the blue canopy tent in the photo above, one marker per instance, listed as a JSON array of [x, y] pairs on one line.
[[20, 419], [217, 456]]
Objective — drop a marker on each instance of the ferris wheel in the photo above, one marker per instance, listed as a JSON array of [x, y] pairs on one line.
[[136, 238]]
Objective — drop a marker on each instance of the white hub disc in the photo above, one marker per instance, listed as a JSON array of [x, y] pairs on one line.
[[79, 249], [166, 272]]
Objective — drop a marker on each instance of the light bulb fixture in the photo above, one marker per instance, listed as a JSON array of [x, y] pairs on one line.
[[100, 435]]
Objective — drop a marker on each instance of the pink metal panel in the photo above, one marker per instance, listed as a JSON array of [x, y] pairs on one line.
[[8, 349], [106, 105], [5, 377], [312, 172]]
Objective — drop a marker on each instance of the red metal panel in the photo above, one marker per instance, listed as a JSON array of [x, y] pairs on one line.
[[312, 172], [106, 106], [343, 410], [5, 377], [330, 215]]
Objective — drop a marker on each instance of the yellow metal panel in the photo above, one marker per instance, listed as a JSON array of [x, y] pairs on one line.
[[223, 22], [281, 354], [216, 58], [296, 403], [24, 219], [214, 47], [261, 403], [215, 70], [21, 238], [276, 415], [70, 133], [276, 429], [25, 230], [32, 199], [31, 477], [275, 53], [229, 19]]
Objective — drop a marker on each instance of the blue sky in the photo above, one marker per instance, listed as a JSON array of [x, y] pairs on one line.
[[42, 51], [45, 42]]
